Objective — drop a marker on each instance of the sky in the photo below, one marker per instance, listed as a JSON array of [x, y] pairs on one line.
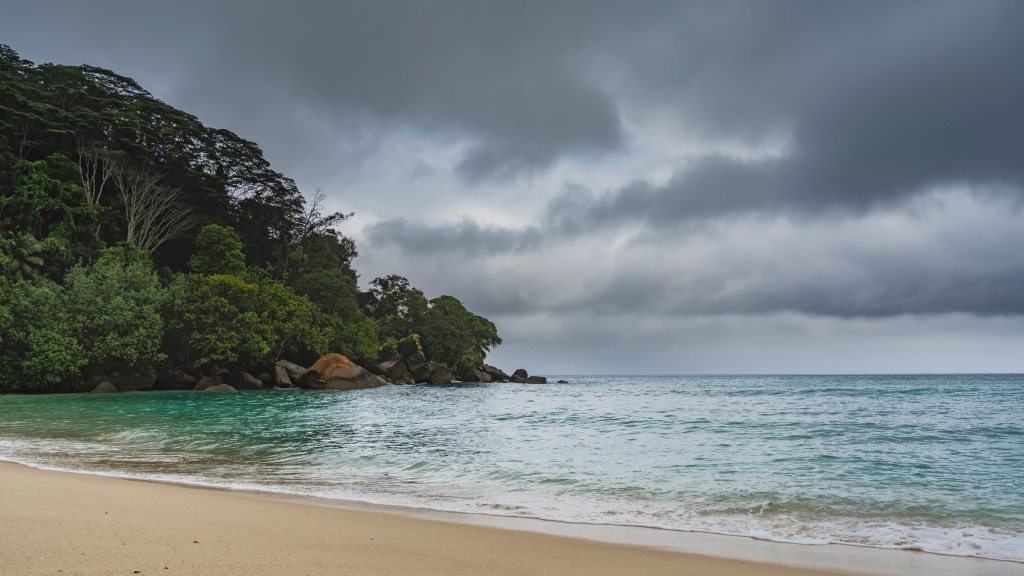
[[639, 187]]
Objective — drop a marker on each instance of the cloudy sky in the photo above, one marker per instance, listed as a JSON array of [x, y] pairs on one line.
[[633, 187]]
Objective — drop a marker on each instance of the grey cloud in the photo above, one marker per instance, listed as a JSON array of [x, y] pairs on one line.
[[943, 253], [465, 238]]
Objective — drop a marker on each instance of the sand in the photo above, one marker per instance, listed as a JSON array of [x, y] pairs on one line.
[[62, 523], [59, 523]]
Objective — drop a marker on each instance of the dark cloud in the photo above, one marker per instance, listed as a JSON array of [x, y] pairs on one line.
[[951, 252], [465, 238], [818, 138]]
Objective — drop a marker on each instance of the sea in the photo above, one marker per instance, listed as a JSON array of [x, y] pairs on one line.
[[921, 462]]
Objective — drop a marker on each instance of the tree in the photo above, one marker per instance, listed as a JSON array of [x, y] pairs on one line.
[[114, 309], [39, 352], [242, 321], [153, 213], [454, 336], [218, 251], [22, 253]]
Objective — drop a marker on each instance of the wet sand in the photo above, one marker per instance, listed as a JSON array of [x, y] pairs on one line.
[[60, 523]]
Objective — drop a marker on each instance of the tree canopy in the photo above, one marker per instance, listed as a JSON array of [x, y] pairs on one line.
[[132, 234]]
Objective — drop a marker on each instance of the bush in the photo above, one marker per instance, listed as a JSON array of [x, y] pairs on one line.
[[114, 309]]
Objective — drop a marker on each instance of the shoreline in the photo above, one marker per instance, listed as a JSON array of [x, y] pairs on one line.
[[699, 551]]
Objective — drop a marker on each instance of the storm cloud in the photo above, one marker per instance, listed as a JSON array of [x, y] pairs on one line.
[[626, 170]]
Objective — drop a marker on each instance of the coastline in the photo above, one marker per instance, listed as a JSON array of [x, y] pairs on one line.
[[90, 524]]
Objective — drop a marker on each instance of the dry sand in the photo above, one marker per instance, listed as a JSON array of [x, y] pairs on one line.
[[59, 523]]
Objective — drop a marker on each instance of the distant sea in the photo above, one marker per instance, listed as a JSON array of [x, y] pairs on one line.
[[929, 462]]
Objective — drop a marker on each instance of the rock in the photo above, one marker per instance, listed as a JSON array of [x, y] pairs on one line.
[[418, 367], [471, 374], [563, 381], [293, 369], [336, 372], [521, 373], [397, 370], [104, 388], [247, 381], [408, 347], [375, 368], [142, 380], [310, 380], [535, 380], [223, 373], [280, 378], [495, 374], [220, 388], [174, 380], [406, 380], [209, 382], [266, 378], [439, 374]]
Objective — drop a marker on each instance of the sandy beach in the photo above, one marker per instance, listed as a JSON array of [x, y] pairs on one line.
[[64, 523]]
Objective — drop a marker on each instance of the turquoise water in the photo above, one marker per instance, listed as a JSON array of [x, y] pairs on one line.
[[924, 462]]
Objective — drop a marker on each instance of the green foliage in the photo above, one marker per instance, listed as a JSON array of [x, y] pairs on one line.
[[22, 254], [241, 320], [39, 351], [114, 309], [218, 251], [454, 336], [271, 274]]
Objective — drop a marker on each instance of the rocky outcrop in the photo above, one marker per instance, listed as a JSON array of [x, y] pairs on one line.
[[246, 381], [104, 388], [174, 380], [294, 370], [220, 388], [418, 367], [470, 374], [140, 381], [209, 382], [336, 372], [495, 374], [397, 370], [439, 374], [279, 378]]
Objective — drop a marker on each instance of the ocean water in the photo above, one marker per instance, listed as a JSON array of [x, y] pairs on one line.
[[930, 462]]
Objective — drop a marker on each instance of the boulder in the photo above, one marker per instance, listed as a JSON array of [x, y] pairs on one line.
[[209, 382], [406, 380], [408, 347], [521, 373], [418, 367], [104, 388], [495, 374], [174, 380], [535, 380], [385, 366], [280, 378], [266, 379], [220, 388], [247, 381], [142, 380], [563, 381], [336, 372], [471, 374], [293, 369], [397, 370], [439, 374]]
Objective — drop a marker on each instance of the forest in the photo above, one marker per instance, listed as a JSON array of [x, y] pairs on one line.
[[133, 235]]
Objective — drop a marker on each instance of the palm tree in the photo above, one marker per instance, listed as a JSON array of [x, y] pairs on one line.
[[22, 251]]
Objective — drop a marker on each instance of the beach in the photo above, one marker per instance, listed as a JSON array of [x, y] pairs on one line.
[[64, 523]]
